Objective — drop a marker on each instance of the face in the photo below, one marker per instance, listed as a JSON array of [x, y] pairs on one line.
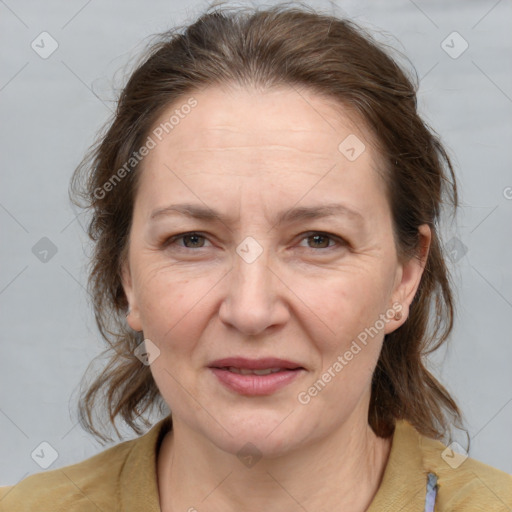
[[265, 281]]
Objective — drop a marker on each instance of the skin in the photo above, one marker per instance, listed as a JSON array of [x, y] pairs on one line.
[[250, 154]]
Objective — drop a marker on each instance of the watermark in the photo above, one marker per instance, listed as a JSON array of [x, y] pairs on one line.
[[44, 455], [352, 147], [454, 455], [146, 352], [249, 455], [304, 397], [174, 119], [44, 45], [456, 249], [136, 157], [507, 192], [249, 249], [454, 45], [44, 250]]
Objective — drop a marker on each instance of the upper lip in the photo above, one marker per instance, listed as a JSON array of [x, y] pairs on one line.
[[254, 364]]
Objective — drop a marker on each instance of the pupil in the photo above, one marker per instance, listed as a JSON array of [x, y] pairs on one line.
[[193, 237], [316, 237]]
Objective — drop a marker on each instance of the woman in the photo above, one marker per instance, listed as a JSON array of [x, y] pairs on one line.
[[267, 265]]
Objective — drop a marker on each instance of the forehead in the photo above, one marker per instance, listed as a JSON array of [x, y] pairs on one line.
[[285, 137], [245, 116]]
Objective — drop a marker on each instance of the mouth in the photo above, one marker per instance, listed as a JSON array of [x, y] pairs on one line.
[[271, 364], [248, 371], [255, 377]]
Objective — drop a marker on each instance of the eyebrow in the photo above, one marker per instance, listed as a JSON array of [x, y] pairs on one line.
[[286, 216]]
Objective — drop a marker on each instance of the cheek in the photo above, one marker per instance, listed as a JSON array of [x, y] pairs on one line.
[[170, 299], [173, 317], [347, 340], [342, 304]]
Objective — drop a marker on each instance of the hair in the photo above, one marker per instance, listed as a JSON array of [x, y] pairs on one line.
[[276, 47]]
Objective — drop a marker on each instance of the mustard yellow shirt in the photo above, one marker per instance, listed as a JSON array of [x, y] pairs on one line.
[[124, 478]]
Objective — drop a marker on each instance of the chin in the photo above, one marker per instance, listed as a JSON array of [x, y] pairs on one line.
[[267, 434], [255, 444]]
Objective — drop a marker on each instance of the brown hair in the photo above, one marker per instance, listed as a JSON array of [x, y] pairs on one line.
[[279, 46]]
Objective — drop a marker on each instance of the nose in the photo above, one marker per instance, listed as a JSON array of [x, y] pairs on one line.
[[254, 300]]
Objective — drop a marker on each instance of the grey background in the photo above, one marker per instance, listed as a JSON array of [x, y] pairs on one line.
[[51, 110]]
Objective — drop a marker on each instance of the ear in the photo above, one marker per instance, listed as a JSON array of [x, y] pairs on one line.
[[133, 316], [408, 278]]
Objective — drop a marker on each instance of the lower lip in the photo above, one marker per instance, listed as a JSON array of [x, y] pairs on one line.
[[255, 385]]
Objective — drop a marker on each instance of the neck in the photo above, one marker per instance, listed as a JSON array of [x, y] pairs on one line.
[[342, 472]]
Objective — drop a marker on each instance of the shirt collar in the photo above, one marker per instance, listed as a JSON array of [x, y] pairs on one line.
[[403, 484], [138, 484]]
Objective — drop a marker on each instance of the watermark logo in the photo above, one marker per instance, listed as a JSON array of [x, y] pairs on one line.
[[249, 455], [44, 45], [454, 455], [249, 249], [44, 249], [44, 455], [147, 352], [454, 45], [456, 249], [352, 147]]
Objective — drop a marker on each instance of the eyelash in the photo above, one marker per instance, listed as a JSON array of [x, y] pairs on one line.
[[309, 234]]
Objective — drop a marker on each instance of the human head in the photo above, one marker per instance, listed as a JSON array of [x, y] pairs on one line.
[[334, 59]]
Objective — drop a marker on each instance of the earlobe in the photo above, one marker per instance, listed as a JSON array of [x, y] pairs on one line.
[[132, 319]]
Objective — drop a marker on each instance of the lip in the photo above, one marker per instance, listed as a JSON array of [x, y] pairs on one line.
[[255, 385], [254, 364]]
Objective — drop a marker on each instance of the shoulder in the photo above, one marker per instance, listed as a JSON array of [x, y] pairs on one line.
[[422, 473], [465, 483], [122, 477], [87, 485]]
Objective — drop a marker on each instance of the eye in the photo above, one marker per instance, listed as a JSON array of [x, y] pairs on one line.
[[320, 239], [193, 239]]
